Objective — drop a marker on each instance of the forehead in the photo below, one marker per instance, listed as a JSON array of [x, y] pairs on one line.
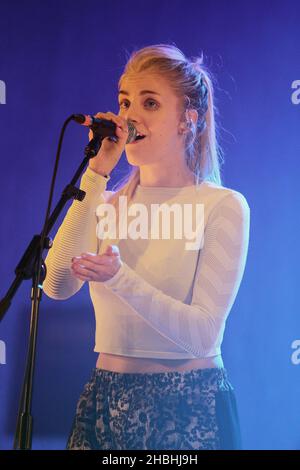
[[135, 83]]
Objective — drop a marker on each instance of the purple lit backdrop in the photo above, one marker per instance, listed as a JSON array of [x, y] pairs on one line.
[[61, 57]]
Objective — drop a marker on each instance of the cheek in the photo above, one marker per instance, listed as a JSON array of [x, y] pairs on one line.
[[164, 131], [168, 135]]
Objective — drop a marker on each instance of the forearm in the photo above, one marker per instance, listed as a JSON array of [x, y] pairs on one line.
[[76, 234]]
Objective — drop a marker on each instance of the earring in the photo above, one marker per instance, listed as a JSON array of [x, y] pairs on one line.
[[185, 126], [181, 128]]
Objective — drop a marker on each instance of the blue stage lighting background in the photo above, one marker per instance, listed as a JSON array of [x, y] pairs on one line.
[[63, 57]]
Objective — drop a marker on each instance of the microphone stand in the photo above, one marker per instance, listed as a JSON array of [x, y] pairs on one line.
[[32, 266]]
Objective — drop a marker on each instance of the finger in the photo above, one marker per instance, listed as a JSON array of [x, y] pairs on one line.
[[76, 258], [87, 268], [120, 121], [121, 133], [109, 250], [96, 259], [115, 249], [82, 278], [112, 250]]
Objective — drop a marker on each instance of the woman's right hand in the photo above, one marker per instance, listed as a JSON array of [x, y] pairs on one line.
[[110, 152]]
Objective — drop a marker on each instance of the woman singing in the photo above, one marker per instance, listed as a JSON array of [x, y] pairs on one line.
[[161, 298]]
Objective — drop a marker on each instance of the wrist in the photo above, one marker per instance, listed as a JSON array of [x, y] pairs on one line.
[[100, 171]]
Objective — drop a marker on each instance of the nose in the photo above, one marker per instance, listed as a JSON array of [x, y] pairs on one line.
[[132, 114]]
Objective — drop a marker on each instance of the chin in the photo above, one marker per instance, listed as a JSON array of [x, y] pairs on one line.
[[138, 159]]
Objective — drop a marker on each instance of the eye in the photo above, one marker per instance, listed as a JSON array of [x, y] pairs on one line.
[[124, 102], [149, 103], [152, 103]]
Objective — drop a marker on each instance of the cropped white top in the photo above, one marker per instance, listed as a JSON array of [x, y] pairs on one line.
[[167, 300]]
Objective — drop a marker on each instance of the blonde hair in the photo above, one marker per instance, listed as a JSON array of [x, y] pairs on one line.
[[192, 83]]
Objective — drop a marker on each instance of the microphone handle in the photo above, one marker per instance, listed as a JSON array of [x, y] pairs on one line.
[[104, 128]]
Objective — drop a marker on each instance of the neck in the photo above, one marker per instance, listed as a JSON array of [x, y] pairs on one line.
[[171, 176]]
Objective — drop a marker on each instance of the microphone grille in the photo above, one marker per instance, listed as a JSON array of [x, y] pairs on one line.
[[132, 132]]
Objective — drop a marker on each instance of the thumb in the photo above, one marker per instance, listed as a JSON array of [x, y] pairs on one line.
[[112, 250]]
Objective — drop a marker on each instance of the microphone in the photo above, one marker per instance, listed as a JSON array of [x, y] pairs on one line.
[[103, 127]]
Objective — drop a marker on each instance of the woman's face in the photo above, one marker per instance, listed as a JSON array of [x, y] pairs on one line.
[[149, 102]]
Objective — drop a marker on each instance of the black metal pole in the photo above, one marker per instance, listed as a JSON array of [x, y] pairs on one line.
[[33, 266], [23, 435]]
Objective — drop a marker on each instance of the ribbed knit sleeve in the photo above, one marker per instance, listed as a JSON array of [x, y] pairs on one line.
[[76, 234], [197, 328]]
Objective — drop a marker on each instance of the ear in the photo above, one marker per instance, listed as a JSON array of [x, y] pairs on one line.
[[191, 116]]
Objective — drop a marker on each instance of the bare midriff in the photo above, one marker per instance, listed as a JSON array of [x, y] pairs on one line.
[[125, 364]]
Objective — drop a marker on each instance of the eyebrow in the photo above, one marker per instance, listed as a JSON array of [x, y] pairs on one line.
[[143, 92]]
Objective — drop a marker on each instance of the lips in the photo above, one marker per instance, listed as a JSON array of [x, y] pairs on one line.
[[138, 138], [135, 142]]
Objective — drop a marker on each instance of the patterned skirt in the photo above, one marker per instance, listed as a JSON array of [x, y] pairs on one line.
[[189, 410]]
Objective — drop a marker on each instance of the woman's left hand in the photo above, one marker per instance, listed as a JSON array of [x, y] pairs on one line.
[[98, 268]]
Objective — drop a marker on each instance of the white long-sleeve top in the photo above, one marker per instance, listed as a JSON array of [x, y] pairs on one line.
[[166, 301]]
